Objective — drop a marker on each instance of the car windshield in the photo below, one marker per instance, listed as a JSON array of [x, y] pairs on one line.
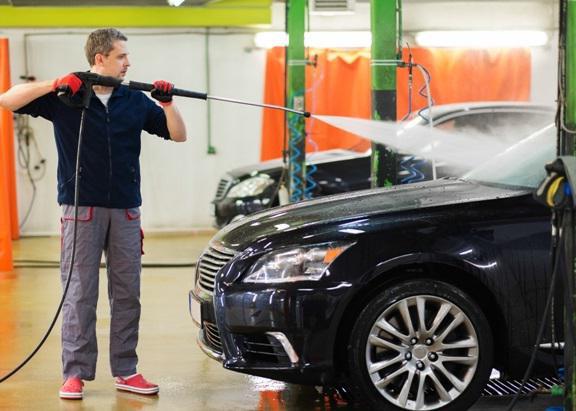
[[522, 164], [502, 124]]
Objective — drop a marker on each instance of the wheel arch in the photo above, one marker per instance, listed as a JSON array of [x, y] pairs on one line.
[[442, 271]]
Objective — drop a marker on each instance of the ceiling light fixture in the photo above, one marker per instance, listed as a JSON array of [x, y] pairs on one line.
[[175, 3], [362, 39], [317, 39], [482, 39]]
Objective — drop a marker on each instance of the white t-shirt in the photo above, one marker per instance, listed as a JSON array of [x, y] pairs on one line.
[[104, 98]]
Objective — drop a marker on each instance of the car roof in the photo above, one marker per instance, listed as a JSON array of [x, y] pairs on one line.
[[455, 108]]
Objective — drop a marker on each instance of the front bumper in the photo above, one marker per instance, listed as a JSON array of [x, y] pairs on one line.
[[284, 334], [208, 342]]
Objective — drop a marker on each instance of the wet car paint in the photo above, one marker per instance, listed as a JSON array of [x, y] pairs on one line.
[[491, 241], [356, 205]]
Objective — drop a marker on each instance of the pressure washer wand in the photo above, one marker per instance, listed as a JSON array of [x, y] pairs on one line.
[[203, 96], [93, 79], [272, 106]]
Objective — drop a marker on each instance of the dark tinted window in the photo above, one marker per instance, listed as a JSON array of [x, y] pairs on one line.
[[504, 125]]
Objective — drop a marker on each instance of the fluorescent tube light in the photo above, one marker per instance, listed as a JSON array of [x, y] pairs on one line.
[[338, 39], [269, 39], [482, 39], [317, 39]]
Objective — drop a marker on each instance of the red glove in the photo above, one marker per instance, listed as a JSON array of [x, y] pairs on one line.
[[162, 92], [69, 82]]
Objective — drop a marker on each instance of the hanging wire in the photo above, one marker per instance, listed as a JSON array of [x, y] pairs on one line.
[[411, 165], [296, 193], [410, 81], [25, 136], [35, 172], [408, 165], [425, 92], [430, 101], [562, 75]]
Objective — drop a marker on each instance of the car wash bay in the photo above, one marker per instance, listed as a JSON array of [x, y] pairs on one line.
[[497, 83]]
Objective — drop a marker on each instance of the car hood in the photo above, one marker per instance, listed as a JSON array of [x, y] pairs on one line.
[[276, 164], [358, 204]]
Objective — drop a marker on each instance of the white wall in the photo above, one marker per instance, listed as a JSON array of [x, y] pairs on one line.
[[178, 180], [545, 71]]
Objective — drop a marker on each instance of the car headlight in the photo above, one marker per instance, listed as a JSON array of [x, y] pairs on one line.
[[251, 186], [295, 264]]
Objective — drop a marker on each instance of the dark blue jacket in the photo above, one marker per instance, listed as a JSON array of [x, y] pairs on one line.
[[109, 163]]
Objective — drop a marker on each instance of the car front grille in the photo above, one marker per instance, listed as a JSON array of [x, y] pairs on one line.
[[212, 336], [211, 261], [223, 186]]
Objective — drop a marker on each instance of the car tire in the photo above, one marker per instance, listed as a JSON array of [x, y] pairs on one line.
[[396, 364]]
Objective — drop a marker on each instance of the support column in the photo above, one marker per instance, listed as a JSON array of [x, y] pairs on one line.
[[295, 85], [384, 26], [8, 212]]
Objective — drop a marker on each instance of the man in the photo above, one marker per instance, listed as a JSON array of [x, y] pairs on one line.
[[109, 201]]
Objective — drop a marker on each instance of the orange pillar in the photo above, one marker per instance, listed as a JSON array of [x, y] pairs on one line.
[[8, 124], [8, 227]]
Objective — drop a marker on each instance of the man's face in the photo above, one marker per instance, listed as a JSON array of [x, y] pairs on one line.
[[115, 63]]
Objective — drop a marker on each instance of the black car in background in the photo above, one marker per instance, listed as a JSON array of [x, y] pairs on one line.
[[408, 295], [253, 188]]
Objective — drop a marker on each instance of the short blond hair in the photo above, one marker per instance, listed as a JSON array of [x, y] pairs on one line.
[[101, 41]]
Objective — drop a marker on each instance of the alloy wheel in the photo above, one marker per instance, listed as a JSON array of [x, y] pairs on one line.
[[422, 352]]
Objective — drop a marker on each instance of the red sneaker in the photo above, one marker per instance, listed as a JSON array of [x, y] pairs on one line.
[[137, 384], [71, 389]]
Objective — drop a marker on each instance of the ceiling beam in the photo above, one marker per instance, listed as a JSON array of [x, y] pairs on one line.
[[226, 13]]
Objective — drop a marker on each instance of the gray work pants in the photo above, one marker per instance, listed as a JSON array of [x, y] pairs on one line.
[[116, 232]]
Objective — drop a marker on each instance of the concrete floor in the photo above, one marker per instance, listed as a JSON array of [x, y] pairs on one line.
[[168, 352]]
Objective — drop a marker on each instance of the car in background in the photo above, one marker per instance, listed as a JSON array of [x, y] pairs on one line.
[[408, 296], [245, 190]]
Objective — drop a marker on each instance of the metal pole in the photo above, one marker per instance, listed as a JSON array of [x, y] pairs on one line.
[[384, 26], [569, 377], [570, 73], [296, 66]]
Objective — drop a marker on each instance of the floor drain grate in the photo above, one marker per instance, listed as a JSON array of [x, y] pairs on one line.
[[498, 387]]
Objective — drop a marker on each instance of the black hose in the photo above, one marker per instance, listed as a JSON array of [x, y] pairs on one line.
[[57, 314], [542, 327], [53, 264]]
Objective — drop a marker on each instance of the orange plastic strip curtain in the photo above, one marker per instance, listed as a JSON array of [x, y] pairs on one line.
[[8, 213], [339, 84], [461, 75]]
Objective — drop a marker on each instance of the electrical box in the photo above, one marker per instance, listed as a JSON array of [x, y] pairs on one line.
[[332, 6]]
